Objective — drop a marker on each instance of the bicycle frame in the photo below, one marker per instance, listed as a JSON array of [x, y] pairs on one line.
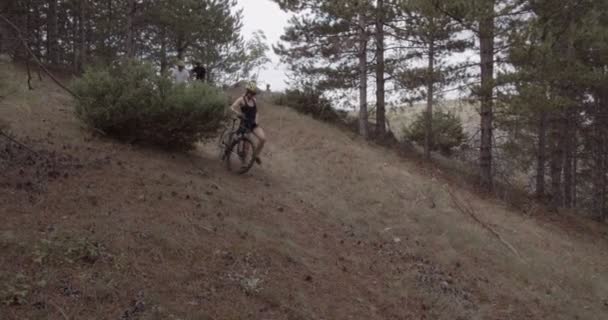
[[235, 130]]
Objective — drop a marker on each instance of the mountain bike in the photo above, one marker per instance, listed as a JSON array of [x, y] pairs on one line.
[[236, 149]]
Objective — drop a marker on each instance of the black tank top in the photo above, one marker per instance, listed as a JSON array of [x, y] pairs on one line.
[[249, 111]]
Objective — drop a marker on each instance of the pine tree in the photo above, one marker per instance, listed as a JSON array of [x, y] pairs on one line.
[[556, 57], [329, 41], [432, 36], [489, 21]]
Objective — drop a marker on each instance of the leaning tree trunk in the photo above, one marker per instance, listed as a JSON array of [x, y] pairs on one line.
[[380, 94], [428, 140], [363, 115], [486, 42], [541, 155]]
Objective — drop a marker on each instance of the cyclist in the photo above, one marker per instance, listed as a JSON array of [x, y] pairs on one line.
[[246, 108]]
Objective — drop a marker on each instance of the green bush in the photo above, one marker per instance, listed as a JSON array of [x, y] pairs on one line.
[[310, 102], [133, 103], [447, 131]]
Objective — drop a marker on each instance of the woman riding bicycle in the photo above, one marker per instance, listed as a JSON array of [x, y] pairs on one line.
[[246, 108]]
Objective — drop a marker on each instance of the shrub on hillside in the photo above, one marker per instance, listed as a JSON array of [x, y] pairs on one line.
[[310, 102], [447, 131], [133, 103]]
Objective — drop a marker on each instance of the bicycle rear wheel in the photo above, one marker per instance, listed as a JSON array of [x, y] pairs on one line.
[[239, 156]]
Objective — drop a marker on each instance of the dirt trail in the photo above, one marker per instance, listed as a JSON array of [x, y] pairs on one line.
[[328, 228]]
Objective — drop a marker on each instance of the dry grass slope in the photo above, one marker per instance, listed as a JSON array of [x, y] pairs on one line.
[[329, 228]]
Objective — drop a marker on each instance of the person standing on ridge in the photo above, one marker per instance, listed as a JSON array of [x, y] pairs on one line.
[[246, 108], [180, 75], [199, 72]]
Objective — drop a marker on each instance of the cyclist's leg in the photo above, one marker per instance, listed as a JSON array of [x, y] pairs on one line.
[[259, 133]]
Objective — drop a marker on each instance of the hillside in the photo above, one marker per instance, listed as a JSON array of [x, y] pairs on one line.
[[330, 227]]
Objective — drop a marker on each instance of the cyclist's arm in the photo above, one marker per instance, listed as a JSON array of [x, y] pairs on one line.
[[236, 107]]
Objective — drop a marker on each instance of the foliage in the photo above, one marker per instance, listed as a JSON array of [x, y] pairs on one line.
[[447, 131], [311, 102], [322, 46], [159, 31], [435, 38], [255, 56], [131, 102]]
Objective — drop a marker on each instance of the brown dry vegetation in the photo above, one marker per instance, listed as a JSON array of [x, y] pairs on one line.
[[329, 227]]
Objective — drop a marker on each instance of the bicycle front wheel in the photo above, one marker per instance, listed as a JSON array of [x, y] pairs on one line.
[[223, 143], [239, 156]]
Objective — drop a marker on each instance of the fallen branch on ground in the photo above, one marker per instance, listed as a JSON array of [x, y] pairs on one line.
[[9, 138], [465, 207]]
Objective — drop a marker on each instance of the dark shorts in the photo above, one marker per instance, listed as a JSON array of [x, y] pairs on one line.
[[249, 125]]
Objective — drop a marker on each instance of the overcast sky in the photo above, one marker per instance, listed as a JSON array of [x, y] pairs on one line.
[[265, 15]]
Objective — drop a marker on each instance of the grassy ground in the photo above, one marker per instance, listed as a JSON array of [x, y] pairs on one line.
[[329, 227]]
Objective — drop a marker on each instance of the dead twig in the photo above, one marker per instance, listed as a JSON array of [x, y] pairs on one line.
[[89, 127], [464, 207], [29, 74], [65, 316]]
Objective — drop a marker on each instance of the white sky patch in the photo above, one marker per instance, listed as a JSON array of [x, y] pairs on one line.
[[266, 15]]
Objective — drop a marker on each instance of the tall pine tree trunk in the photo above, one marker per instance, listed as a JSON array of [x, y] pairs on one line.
[[180, 46], [486, 42], [130, 45], [83, 35], [569, 143], [380, 94], [428, 140], [75, 56], [569, 130], [600, 158], [81, 47], [163, 50], [363, 116], [541, 156], [52, 33], [557, 160], [575, 177]]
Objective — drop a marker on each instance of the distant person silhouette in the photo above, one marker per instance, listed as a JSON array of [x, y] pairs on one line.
[[199, 72], [180, 75]]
